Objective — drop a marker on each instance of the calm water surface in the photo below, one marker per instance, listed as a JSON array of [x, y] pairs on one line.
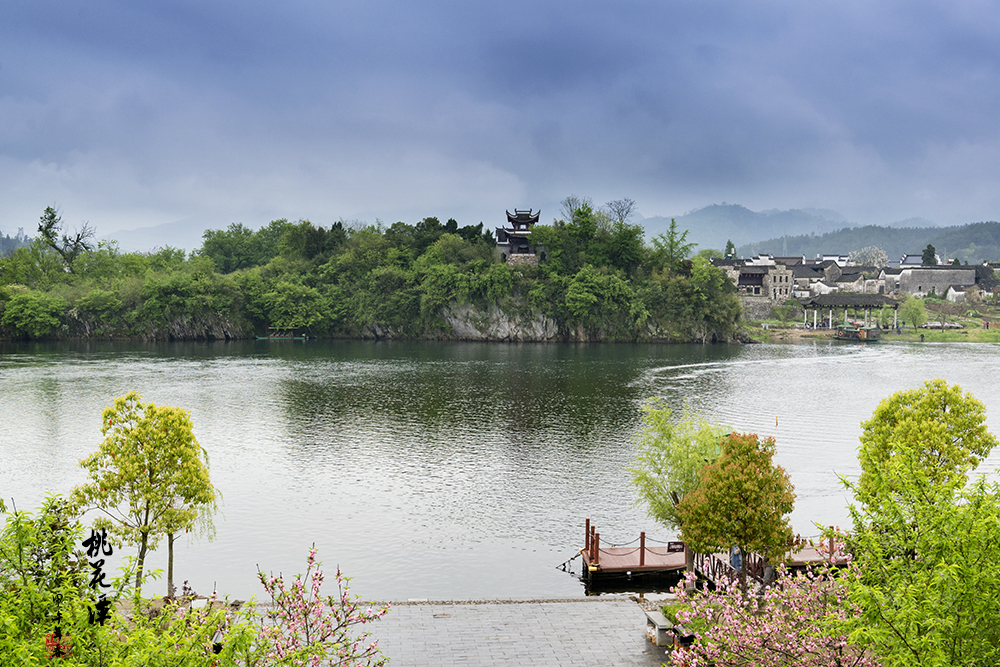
[[435, 470]]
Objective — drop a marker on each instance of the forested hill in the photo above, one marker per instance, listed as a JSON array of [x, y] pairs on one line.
[[972, 243], [428, 280], [8, 244]]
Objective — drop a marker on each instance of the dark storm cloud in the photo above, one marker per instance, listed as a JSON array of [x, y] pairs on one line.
[[132, 114]]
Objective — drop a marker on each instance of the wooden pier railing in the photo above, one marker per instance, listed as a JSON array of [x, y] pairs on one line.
[[718, 570]]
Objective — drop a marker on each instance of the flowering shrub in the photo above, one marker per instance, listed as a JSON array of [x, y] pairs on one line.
[[299, 631], [44, 585], [796, 621]]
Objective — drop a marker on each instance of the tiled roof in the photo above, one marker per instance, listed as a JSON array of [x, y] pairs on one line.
[[850, 300]]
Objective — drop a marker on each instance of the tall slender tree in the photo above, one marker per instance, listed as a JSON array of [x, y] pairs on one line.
[[670, 456], [148, 477]]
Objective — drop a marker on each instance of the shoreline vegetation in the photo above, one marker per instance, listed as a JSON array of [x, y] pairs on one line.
[[597, 281], [946, 323]]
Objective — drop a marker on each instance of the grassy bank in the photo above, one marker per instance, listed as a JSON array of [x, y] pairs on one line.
[[790, 333]]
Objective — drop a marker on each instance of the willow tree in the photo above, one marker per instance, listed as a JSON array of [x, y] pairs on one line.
[[149, 477], [670, 455]]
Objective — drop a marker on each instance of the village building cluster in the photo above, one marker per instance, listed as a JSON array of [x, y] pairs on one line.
[[777, 279], [766, 280]]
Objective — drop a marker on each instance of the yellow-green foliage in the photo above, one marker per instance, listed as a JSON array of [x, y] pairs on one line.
[[148, 477], [937, 426], [742, 500], [926, 576], [670, 454]]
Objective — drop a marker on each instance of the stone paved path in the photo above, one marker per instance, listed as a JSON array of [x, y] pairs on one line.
[[582, 632]]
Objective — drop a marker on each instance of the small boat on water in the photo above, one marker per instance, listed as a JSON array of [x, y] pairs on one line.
[[283, 334], [856, 331]]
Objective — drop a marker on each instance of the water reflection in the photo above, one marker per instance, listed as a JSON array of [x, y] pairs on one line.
[[448, 470]]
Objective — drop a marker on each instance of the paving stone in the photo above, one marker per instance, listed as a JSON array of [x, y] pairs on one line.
[[607, 632]]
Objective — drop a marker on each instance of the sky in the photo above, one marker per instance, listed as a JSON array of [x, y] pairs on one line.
[[132, 114]]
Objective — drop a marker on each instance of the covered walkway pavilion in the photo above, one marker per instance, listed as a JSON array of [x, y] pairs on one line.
[[846, 301]]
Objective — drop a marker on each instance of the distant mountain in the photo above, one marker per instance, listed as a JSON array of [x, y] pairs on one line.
[[913, 222], [184, 234], [970, 243], [712, 226]]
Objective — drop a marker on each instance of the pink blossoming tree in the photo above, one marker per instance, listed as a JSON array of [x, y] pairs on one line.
[[796, 622]]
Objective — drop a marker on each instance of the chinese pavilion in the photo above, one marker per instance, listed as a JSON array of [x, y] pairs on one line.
[[514, 241]]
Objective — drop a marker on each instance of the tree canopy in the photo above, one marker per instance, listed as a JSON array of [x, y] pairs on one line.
[[595, 279], [913, 311], [926, 577], [148, 477], [670, 455], [68, 246], [936, 428], [869, 256], [929, 256], [742, 500]]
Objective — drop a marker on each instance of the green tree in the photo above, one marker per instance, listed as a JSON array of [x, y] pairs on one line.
[[929, 256], [148, 477], [743, 500], [670, 249], [230, 249], [43, 581], [937, 428], [33, 314], [708, 254], [926, 578], [913, 311], [69, 247], [730, 252], [783, 312], [293, 306], [670, 455]]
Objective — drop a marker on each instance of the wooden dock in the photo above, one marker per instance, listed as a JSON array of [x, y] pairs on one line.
[[642, 564], [614, 566]]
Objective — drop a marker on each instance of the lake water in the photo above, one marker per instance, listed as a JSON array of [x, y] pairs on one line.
[[448, 470]]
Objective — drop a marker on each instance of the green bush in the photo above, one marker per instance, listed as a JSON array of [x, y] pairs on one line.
[[33, 314]]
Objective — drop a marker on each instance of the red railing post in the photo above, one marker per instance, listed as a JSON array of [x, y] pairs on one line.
[[586, 535], [642, 548], [592, 532], [597, 548]]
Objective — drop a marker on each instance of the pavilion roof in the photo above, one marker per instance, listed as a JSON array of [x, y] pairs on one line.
[[849, 300]]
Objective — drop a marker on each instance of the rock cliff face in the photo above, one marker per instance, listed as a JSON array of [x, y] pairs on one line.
[[458, 322], [467, 322], [470, 323], [213, 327]]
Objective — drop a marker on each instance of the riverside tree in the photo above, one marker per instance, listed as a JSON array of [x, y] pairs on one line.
[[148, 477], [926, 579], [742, 500], [69, 247], [670, 455], [913, 310]]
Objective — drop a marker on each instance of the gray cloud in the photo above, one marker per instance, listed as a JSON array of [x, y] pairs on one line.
[[136, 114]]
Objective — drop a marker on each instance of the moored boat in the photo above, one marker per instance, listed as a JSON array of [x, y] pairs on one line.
[[856, 331]]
